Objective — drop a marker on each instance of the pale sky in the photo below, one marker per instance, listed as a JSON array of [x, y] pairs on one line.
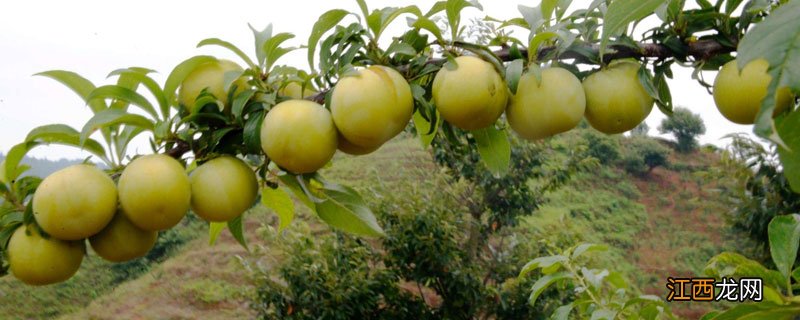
[[96, 37]]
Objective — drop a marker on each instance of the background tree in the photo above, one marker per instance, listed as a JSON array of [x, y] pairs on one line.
[[642, 155], [685, 126], [641, 130]]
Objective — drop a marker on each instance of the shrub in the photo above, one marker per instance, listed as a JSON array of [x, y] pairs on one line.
[[685, 126], [642, 155]]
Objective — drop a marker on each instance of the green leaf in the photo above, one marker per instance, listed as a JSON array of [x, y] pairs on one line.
[[13, 158], [620, 13], [763, 310], [77, 84], [532, 16], [260, 37], [273, 50], [586, 248], [236, 227], [326, 21], [112, 117], [537, 41], [453, 10], [214, 230], [784, 238], [789, 129], [280, 202], [430, 26], [776, 40], [124, 94], [240, 101], [65, 135], [362, 5], [229, 46], [252, 131], [290, 181], [494, 148], [437, 7], [603, 314], [562, 313], [140, 75], [129, 132], [513, 73], [425, 130], [179, 73], [548, 6], [380, 19], [344, 209], [542, 262], [729, 264], [545, 282]]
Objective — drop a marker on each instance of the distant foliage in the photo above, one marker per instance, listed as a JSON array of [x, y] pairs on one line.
[[602, 147], [641, 130], [642, 155], [685, 126], [762, 191]]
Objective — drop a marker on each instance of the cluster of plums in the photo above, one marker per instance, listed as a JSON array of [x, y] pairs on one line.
[[122, 220], [153, 193]]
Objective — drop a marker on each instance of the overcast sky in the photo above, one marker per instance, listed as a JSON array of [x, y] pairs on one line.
[[95, 37]]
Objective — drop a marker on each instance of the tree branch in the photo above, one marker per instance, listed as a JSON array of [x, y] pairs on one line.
[[700, 50], [181, 147]]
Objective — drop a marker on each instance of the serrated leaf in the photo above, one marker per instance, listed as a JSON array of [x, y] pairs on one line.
[[494, 148], [544, 282], [229, 46], [620, 13], [326, 21], [280, 202], [214, 230], [140, 75], [112, 117], [775, 40], [236, 227], [124, 94], [179, 73], [343, 208], [784, 239]]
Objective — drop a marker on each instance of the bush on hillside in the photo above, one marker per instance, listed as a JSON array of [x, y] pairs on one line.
[[642, 155]]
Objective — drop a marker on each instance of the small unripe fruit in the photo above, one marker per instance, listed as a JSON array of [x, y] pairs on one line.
[[540, 110], [472, 96], [299, 136], [122, 241], [75, 202], [615, 99], [223, 189], [154, 192], [35, 260], [738, 96]]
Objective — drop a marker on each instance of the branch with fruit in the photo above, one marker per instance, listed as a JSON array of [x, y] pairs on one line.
[[269, 128]]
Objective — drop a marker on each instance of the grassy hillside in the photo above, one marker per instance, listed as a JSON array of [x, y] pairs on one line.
[[666, 223]]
